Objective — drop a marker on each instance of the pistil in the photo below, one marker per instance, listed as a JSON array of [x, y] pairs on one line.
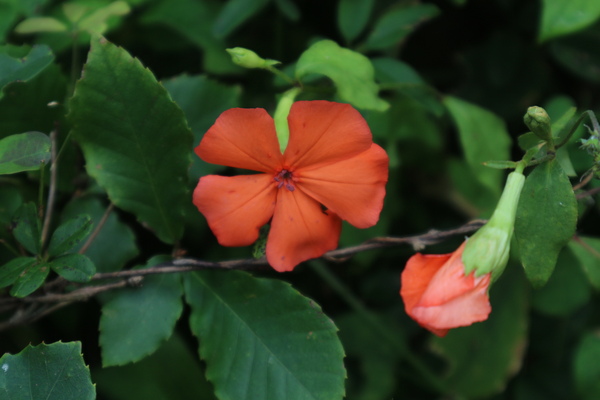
[[285, 178]]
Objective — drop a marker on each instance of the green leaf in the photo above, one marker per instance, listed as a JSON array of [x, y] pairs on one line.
[[115, 243], [482, 357], [136, 321], [566, 290], [96, 22], [564, 17], [74, 267], [289, 9], [134, 138], [586, 369], [351, 72], [587, 251], [234, 13], [149, 379], [578, 54], [24, 152], [188, 92], [483, 137], [69, 234], [353, 16], [10, 271], [25, 68], [30, 280], [262, 339], [27, 229], [40, 24], [50, 372], [398, 23], [546, 219]]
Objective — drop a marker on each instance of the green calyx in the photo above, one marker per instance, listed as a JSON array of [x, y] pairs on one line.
[[488, 249], [538, 120], [281, 113]]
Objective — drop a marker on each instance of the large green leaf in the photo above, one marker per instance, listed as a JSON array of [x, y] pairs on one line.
[[578, 54], [134, 137], [22, 69], [50, 372], [352, 17], [24, 152], [563, 17], [483, 137], [136, 321], [262, 339], [398, 23], [587, 251], [546, 219], [586, 368], [351, 72], [483, 356]]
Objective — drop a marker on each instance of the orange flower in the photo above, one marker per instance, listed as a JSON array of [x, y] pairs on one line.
[[330, 170], [439, 296]]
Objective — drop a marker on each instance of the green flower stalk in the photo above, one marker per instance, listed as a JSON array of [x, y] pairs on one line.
[[488, 249]]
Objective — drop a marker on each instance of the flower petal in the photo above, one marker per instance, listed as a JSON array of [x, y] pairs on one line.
[[300, 230], [415, 278], [236, 207], [353, 188], [242, 138], [324, 132]]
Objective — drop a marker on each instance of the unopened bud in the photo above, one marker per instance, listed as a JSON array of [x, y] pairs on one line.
[[249, 59], [538, 120]]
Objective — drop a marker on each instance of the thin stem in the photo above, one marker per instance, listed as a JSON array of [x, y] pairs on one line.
[[97, 230], [51, 189], [430, 378], [281, 74], [593, 119]]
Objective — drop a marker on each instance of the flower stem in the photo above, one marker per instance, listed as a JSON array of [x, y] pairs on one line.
[[431, 380]]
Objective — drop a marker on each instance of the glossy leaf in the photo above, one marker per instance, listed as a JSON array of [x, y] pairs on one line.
[[52, 372], [28, 227], [564, 17], [482, 357], [351, 72], [30, 280], [10, 271], [23, 69], [24, 152], [134, 137], [69, 234], [586, 369], [74, 267], [546, 219], [262, 339], [483, 137], [234, 13], [587, 251], [353, 16], [115, 243], [398, 23], [136, 321]]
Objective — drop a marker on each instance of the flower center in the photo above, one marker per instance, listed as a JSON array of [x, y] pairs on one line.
[[285, 178]]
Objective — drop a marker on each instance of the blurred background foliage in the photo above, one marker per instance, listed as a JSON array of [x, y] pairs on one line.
[[458, 76]]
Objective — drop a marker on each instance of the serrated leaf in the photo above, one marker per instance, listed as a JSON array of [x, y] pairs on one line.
[[134, 137], [23, 69], [69, 234], [352, 17], [136, 321], [74, 267], [115, 243], [564, 17], [10, 271], [30, 280], [40, 24], [398, 23], [351, 72], [262, 339], [482, 357], [24, 152], [587, 251], [586, 369], [483, 137], [546, 220], [27, 228], [50, 372], [234, 13]]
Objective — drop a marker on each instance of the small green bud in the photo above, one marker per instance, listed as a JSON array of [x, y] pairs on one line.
[[249, 59], [488, 249], [538, 120]]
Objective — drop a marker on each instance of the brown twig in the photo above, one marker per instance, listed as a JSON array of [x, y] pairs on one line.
[[51, 189], [97, 230], [587, 193]]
